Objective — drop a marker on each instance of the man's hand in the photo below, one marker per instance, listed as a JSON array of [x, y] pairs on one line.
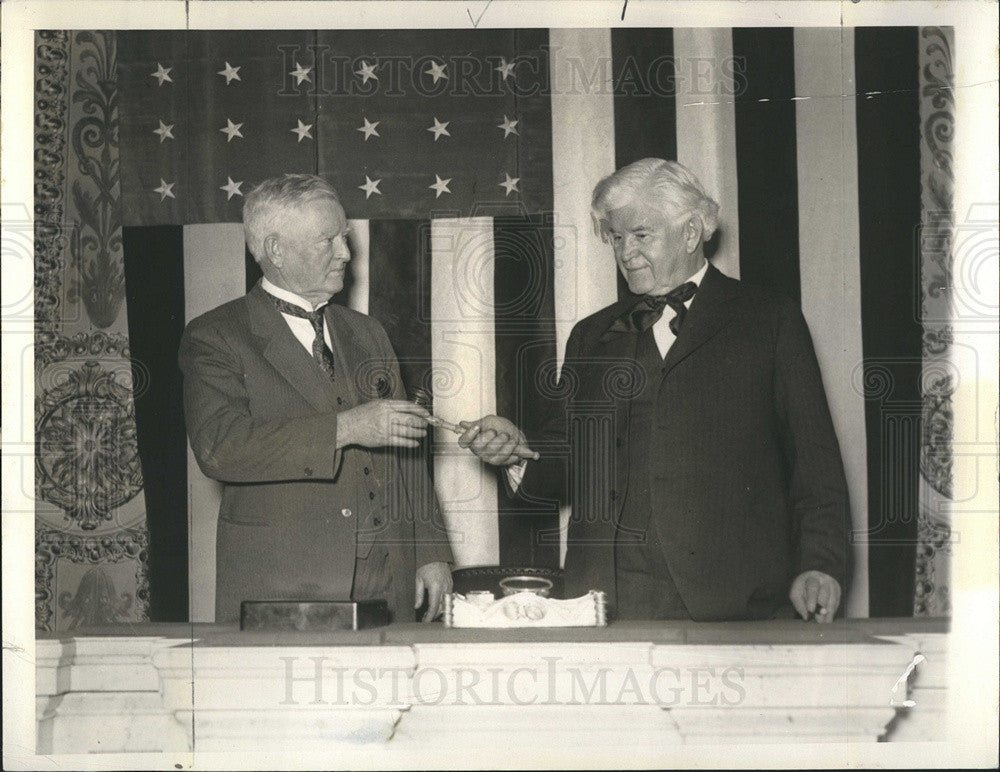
[[496, 441], [435, 578], [382, 422], [814, 591]]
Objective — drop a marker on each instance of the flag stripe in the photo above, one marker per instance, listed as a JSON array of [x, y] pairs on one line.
[[583, 127], [644, 97], [525, 342], [462, 346], [400, 294], [765, 159], [645, 104], [213, 274], [828, 244], [358, 275], [154, 293], [706, 131], [888, 131]]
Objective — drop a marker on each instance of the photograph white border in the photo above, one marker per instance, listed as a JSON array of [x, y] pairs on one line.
[[973, 663]]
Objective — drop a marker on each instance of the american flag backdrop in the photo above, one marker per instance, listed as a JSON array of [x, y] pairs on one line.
[[465, 160]]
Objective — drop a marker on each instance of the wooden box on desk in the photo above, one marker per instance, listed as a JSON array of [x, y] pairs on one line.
[[313, 615]]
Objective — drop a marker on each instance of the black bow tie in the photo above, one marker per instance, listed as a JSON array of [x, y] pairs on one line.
[[649, 308], [321, 352]]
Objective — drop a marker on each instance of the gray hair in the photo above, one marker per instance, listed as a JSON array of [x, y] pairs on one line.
[[664, 185], [267, 204]]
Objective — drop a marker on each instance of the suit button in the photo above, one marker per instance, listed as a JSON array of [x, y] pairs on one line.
[[377, 521], [618, 442], [613, 495], [371, 495], [367, 470], [340, 401], [345, 512], [308, 470]]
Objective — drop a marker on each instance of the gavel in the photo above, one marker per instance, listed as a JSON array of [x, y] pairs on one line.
[[423, 398]]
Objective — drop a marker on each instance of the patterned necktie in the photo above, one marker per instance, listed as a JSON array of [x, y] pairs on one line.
[[321, 352], [645, 313]]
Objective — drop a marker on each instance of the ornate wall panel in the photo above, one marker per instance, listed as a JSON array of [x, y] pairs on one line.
[[90, 539], [937, 115]]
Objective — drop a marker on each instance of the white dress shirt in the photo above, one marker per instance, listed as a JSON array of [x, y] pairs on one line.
[[661, 329], [664, 337], [301, 328]]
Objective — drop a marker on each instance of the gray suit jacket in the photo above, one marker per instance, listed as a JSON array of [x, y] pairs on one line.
[[262, 419]]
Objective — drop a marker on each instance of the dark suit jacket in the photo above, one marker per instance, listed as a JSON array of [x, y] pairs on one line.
[[746, 477], [262, 419]]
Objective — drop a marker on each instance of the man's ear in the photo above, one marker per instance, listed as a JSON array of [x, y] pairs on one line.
[[272, 249], [692, 234]]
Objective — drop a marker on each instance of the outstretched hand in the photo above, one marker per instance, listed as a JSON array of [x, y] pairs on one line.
[[496, 441], [381, 423]]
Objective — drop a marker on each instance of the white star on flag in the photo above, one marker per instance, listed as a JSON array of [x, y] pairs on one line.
[[505, 69], [230, 73], [231, 188], [508, 127], [162, 74], [440, 186], [436, 71], [366, 72], [164, 131], [302, 130], [369, 129], [370, 186], [510, 184], [439, 128], [300, 74], [231, 130], [165, 189]]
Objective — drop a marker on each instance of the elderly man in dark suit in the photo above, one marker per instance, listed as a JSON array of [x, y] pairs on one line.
[[296, 406], [693, 436]]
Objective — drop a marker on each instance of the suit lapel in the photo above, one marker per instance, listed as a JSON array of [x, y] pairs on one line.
[[711, 310], [350, 355], [283, 350]]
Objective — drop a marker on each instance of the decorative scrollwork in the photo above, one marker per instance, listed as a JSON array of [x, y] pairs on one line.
[[51, 61], [95, 602], [129, 544], [939, 88], [87, 460], [51, 347], [96, 242], [938, 433]]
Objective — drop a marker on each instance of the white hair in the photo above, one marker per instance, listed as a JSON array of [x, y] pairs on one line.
[[268, 204], [664, 185]]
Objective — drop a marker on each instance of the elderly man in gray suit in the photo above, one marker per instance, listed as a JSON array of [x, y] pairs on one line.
[[297, 407], [717, 491]]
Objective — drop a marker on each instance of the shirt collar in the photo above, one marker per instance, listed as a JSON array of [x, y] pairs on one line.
[[699, 274], [287, 295]]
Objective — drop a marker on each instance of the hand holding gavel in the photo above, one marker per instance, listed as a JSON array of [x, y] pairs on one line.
[[494, 439]]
